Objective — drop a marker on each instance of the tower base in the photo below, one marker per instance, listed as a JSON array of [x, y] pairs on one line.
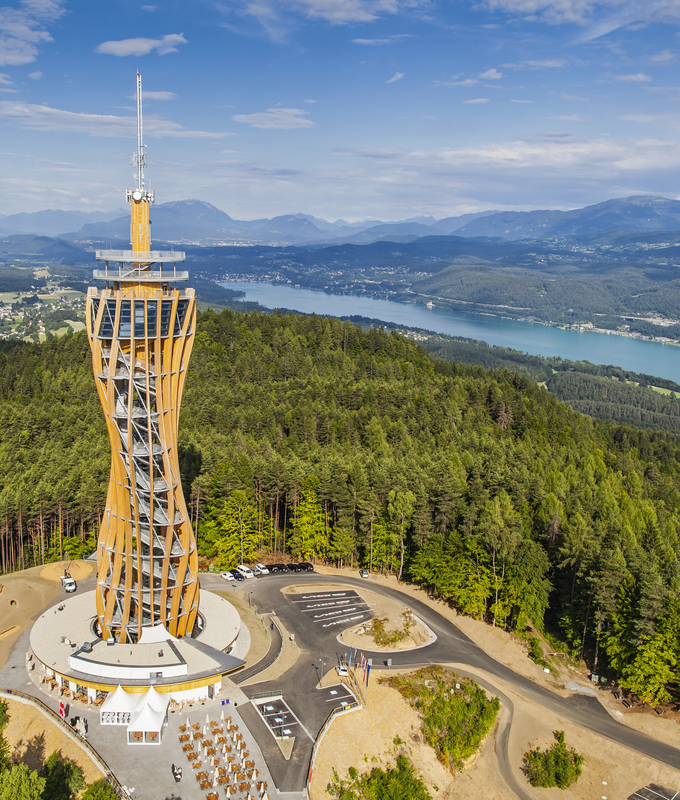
[[69, 653]]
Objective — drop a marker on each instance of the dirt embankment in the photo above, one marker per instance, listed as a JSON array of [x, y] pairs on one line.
[[33, 737], [366, 738]]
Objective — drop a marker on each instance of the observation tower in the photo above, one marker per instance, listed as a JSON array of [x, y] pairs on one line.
[[141, 331]]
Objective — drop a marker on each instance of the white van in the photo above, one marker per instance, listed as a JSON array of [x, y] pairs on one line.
[[245, 571]]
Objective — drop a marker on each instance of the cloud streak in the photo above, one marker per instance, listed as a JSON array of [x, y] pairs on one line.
[[22, 29], [141, 46], [276, 119], [396, 77], [45, 118]]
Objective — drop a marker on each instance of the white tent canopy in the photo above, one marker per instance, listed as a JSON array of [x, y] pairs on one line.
[[158, 702], [145, 726], [117, 707]]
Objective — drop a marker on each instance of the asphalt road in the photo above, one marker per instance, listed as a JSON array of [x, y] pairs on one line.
[[318, 643]]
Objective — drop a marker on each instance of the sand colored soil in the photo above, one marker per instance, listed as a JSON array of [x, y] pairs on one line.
[[32, 737], [366, 738], [610, 769], [76, 569], [24, 595], [383, 608]]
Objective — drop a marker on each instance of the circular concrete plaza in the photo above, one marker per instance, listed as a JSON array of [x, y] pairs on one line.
[[64, 643]]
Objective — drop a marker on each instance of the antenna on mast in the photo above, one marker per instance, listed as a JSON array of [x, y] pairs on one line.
[[139, 157]]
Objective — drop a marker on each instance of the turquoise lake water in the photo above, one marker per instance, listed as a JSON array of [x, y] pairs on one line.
[[652, 358]]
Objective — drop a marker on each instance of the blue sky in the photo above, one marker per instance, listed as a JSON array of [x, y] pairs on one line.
[[341, 108]]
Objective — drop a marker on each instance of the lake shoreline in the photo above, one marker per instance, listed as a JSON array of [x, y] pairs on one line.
[[449, 304], [632, 352]]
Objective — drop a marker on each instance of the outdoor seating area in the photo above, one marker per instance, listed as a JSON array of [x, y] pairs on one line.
[[217, 753]]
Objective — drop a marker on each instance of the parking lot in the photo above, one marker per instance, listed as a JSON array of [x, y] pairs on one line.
[[279, 718], [654, 792], [330, 610]]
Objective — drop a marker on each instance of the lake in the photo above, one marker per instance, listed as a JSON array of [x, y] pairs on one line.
[[638, 355]]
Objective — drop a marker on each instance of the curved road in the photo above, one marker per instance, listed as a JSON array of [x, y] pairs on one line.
[[452, 646]]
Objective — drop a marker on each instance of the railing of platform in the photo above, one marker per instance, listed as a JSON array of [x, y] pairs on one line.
[[117, 787], [137, 275], [143, 257]]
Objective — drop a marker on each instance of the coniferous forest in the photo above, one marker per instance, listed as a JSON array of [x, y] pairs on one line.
[[314, 437]]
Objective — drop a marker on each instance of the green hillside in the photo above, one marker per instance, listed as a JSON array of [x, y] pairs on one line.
[[356, 447]]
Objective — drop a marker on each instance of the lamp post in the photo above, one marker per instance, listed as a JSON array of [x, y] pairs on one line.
[[249, 596], [323, 665]]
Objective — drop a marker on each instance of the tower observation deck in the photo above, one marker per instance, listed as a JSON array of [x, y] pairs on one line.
[[141, 331]]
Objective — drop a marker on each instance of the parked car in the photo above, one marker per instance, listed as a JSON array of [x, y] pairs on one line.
[[282, 567], [342, 670], [68, 583], [363, 573], [263, 570], [227, 576], [306, 566], [237, 575], [273, 568], [293, 567], [245, 571]]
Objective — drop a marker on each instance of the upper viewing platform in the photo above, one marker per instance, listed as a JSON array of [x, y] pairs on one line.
[[135, 266], [138, 257]]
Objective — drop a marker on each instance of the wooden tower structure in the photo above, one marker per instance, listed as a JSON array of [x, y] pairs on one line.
[[141, 330]]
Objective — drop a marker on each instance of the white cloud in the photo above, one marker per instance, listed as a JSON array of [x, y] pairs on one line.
[[276, 118], [22, 29], [380, 153], [455, 82], [45, 118], [149, 8], [639, 77], [575, 98], [553, 63], [309, 101], [641, 117], [663, 57], [35, 76], [570, 118], [396, 77], [522, 101], [434, 119], [491, 75], [141, 46], [557, 12], [477, 101], [155, 95], [385, 40], [272, 13]]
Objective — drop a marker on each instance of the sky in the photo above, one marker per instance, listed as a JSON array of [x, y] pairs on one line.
[[352, 109]]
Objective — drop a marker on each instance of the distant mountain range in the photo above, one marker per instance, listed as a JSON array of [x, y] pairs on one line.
[[199, 222]]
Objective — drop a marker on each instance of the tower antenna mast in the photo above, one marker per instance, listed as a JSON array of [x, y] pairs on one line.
[[140, 157]]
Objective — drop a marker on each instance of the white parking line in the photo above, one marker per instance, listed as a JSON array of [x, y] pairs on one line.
[[340, 621], [326, 605]]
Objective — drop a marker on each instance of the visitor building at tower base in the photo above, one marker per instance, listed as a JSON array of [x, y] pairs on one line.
[[67, 649]]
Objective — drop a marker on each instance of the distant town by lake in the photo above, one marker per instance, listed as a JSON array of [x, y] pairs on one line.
[[638, 355]]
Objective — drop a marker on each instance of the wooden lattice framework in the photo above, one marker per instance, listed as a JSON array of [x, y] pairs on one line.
[[141, 331]]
